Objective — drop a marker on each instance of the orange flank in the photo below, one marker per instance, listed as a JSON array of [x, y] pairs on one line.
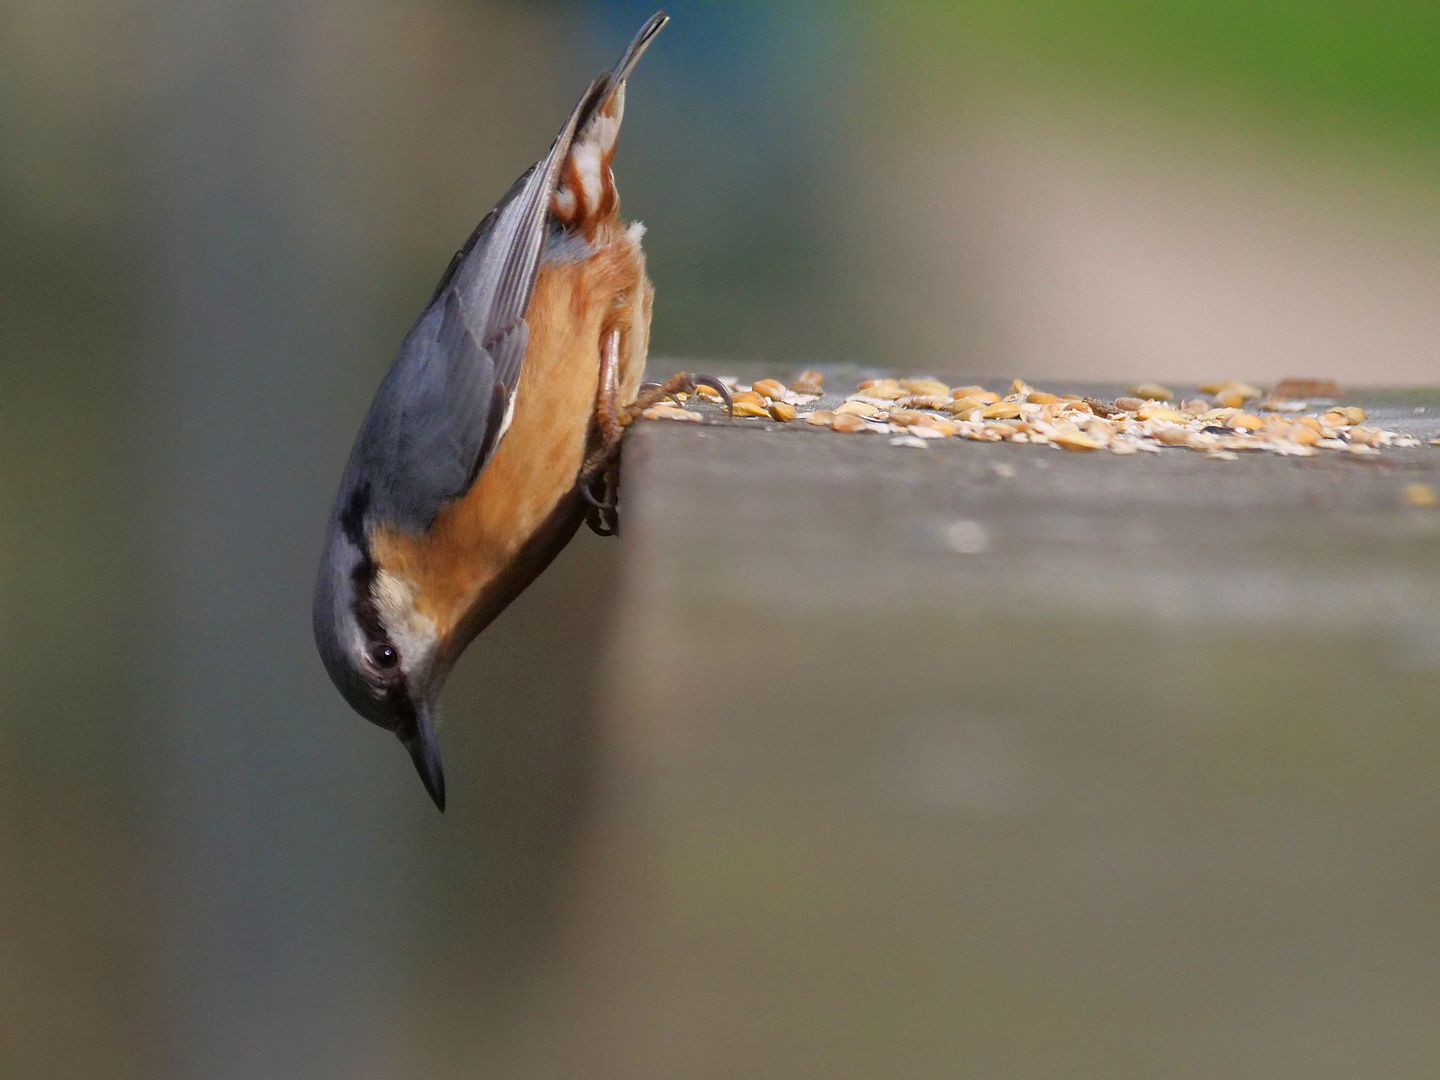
[[574, 307]]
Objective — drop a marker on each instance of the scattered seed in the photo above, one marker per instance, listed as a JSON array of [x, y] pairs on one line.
[[1099, 408], [1152, 392], [1076, 440], [1277, 404], [911, 441], [935, 423], [1230, 386], [924, 431], [909, 410], [809, 383], [671, 412], [1369, 436], [1001, 410], [1307, 388], [1420, 496], [1162, 413], [925, 401], [709, 392], [771, 388], [883, 389], [927, 387], [782, 412], [963, 406]]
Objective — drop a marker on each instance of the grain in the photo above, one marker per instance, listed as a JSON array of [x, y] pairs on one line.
[[1075, 440], [782, 412], [1306, 388], [1420, 496], [810, 383], [671, 412], [962, 406], [1152, 392], [1162, 414], [925, 387], [1001, 410], [770, 388], [883, 389], [1230, 386]]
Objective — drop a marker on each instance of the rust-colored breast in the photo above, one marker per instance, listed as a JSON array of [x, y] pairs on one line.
[[575, 304]]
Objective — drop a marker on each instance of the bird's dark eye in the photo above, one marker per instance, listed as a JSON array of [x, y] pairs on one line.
[[384, 657]]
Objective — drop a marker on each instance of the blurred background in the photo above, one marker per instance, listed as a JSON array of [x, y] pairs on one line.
[[217, 220]]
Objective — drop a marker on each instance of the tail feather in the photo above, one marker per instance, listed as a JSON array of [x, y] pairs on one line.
[[586, 195]]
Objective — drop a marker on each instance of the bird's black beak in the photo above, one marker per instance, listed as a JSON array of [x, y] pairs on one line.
[[425, 752]]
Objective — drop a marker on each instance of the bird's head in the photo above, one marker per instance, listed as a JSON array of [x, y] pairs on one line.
[[381, 653]]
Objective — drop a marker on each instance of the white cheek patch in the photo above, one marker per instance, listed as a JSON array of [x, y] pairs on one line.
[[412, 634]]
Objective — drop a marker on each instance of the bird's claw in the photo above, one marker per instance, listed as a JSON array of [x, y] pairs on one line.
[[602, 514], [602, 470], [683, 383]]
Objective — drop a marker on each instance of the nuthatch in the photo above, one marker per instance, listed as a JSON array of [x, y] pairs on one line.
[[496, 431]]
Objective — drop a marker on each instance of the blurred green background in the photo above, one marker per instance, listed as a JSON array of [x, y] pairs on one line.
[[217, 219]]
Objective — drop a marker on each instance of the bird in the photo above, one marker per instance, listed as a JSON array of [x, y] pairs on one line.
[[497, 430]]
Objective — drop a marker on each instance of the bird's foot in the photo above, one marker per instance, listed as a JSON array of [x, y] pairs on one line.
[[599, 480], [600, 488], [684, 383]]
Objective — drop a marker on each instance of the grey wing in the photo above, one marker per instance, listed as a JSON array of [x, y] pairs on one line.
[[444, 406], [420, 443]]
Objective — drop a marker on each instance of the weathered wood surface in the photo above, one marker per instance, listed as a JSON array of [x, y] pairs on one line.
[[994, 760]]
